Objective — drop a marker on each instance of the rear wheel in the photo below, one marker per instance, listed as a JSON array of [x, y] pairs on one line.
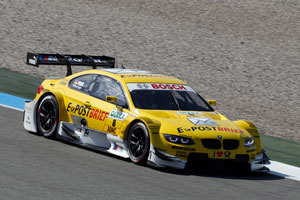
[[47, 117], [138, 143]]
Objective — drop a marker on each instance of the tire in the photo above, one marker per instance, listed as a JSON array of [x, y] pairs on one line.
[[47, 116], [138, 143]]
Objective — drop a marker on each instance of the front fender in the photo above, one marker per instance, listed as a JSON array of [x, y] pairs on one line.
[[152, 125], [252, 130]]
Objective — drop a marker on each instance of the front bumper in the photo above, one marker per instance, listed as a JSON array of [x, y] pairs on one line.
[[163, 159], [258, 165], [201, 161]]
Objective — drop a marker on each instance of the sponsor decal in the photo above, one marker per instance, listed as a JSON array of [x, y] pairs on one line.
[[168, 86], [27, 120], [79, 83], [86, 132], [194, 128], [219, 154], [183, 148], [49, 58], [208, 128], [142, 85], [144, 75], [227, 153], [187, 136], [158, 86], [119, 115], [33, 61], [230, 130], [251, 150], [111, 129], [202, 121], [54, 58], [87, 112], [114, 123], [115, 147], [181, 154], [192, 113], [97, 60], [76, 86]]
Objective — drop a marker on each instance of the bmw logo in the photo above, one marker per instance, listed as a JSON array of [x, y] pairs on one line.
[[219, 136]]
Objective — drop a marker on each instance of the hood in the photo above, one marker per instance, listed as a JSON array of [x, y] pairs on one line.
[[196, 124]]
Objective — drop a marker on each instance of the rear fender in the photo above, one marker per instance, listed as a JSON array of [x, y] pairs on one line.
[[61, 105], [29, 118]]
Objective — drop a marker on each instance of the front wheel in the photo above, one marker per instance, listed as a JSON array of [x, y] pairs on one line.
[[47, 116], [138, 143]]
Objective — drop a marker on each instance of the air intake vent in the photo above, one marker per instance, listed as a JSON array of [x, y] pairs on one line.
[[211, 143], [230, 144]]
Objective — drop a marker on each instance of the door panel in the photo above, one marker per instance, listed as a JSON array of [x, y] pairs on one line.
[[106, 86], [86, 107], [115, 121], [85, 102]]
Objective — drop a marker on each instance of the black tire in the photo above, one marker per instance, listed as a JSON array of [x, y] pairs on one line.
[[47, 117], [138, 143]]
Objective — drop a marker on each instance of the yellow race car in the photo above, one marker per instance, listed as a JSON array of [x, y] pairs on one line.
[[141, 115]]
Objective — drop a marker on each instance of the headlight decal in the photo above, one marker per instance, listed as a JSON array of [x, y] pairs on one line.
[[178, 139], [249, 142]]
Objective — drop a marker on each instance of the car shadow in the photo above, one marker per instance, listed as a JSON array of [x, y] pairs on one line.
[[212, 173], [224, 174]]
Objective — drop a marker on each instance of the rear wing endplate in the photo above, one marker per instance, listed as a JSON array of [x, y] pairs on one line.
[[37, 59]]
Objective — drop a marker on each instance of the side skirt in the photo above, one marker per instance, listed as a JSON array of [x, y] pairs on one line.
[[92, 139]]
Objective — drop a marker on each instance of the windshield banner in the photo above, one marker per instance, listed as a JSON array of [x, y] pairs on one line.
[[158, 86]]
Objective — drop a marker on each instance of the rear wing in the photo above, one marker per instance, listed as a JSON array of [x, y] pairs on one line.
[[37, 59]]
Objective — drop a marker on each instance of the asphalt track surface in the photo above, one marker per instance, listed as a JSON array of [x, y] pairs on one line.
[[33, 167]]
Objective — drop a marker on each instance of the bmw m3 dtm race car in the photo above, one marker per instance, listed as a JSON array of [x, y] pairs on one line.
[[141, 115]]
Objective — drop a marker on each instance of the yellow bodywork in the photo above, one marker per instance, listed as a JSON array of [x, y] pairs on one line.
[[104, 116]]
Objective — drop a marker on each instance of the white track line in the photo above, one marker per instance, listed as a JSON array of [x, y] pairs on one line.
[[18, 109], [277, 168], [284, 170]]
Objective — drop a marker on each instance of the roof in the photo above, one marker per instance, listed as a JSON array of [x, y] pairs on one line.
[[140, 76], [126, 71]]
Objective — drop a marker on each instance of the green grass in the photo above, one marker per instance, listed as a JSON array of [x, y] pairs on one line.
[[282, 150], [23, 85], [18, 84]]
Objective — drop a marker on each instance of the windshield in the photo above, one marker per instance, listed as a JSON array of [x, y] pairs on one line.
[[167, 97]]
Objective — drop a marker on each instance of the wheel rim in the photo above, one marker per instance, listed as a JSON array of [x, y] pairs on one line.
[[137, 142], [47, 116]]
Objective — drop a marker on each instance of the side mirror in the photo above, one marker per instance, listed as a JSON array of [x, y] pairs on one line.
[[212, 102], [111, 99]]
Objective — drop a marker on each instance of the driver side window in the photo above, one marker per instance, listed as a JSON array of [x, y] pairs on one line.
[[82, 83], [103, 86]]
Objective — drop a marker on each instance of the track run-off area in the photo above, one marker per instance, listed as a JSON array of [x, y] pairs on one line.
[[33, 167]]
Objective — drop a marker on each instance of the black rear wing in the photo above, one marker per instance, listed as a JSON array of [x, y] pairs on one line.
[[37, 59]]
